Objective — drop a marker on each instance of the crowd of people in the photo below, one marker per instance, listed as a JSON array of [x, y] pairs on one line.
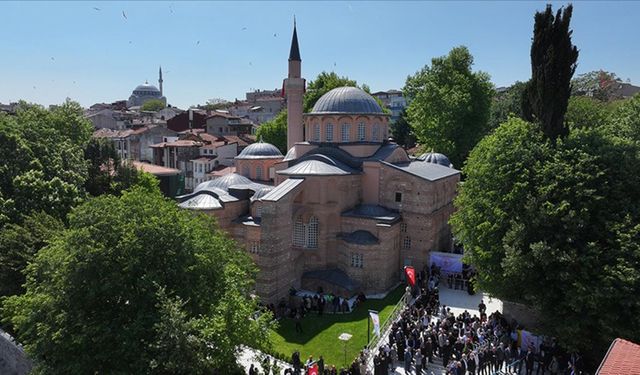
[[466, 344]]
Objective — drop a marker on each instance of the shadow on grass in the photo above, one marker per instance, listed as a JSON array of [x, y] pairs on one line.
[[314, 324]]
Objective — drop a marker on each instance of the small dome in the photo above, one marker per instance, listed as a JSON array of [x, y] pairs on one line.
[[291, 154], [347, 100], [146, 87], [260, 150], [223, 182], [436, 158]]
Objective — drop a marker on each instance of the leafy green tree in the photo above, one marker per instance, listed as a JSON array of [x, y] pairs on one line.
[[553, 62], [153, 105], [586, 112], [42, 168], [108, 174], [507, 103], [625, 119], [402, 132], [19, 244], [131, 275], [449, 104], [555, 226], [599, 84], [275, 131]]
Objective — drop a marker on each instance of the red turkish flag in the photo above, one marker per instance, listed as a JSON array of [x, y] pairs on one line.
[[411, 275], [313, 369]]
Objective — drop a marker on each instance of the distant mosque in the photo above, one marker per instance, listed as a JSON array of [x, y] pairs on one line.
[[145, 92]]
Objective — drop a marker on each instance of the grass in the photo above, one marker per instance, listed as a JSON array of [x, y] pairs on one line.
[[320, 336]]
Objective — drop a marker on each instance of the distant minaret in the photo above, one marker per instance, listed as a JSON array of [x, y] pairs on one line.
[[160, 82], [294, 90]]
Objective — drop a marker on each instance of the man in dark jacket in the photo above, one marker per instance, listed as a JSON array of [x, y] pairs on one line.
[[529, 358]]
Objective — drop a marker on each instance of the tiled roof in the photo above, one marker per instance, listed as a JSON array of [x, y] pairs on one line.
[[155, 169], [222, 170], [623, 358], [178, 143]]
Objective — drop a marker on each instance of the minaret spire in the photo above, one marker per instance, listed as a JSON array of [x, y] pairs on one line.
[[294, 90], [160, 80], [294, 53]]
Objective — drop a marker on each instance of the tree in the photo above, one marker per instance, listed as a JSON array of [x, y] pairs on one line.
[[108, 174], [275, 131], [109, 293], [555, 226], [153, 105], [42, 168], [507, 103], [586, 112], [402, 132], [553, 62], [19, 243], [449, 104], [625, 119], [599, 84]]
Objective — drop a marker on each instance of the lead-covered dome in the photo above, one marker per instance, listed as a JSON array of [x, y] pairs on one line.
[[347, 100], [146, 87], [436, 158], [260, 150]]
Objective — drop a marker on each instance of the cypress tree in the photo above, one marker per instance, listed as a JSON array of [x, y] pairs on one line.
[[553, 62]]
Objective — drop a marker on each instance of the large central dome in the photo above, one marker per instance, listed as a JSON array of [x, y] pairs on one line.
[[346, 100]]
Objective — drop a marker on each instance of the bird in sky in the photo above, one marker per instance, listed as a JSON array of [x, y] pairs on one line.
[[250, 64], [198, 43], [275, 35], [244, 28], [98, 9], [124, 15], [52, 59]]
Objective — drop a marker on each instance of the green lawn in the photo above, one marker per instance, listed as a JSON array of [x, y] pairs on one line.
[[321, 333]]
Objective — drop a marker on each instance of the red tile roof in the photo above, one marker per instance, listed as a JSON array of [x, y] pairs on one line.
[[623, 358], [221, 170], [157, 170]]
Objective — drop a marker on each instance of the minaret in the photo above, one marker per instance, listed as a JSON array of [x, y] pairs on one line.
[[160, 81], [294, 90]]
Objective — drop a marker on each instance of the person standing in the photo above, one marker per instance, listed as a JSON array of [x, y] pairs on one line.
[[295, 358], [407, 360], [321, 365], [528, 361], [297, 319], [418, 362]]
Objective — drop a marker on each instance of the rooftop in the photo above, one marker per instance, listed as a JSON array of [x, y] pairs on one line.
[[623, 357], [346, 100]]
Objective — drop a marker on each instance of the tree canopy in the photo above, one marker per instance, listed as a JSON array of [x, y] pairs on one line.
[[136, 285], [449, 104], [507, 103], [153, 105], [553, 62], [402, 132], [556, 227], [598, 84], [275, 131], [42, 166]]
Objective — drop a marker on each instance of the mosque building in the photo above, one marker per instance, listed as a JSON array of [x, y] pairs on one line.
[[344, 210], [145, 92]]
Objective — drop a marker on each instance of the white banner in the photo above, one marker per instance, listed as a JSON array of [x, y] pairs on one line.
[[376, 322], [448, 262]]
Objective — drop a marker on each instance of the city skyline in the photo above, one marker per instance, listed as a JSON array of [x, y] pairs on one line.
[[100, 51]]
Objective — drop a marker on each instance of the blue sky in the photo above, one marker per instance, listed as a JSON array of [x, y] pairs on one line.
[[54, 50]]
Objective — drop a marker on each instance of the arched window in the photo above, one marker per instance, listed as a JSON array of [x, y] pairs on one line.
[[345, 130], [298, 232], [329, 132], [259, 172], [312, 233], [376, 132], [316, 132], [361, 131]]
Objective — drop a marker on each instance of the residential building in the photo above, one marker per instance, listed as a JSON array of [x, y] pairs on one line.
[[394, 101]]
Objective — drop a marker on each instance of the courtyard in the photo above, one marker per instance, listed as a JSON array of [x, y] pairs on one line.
[[320, 336]]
